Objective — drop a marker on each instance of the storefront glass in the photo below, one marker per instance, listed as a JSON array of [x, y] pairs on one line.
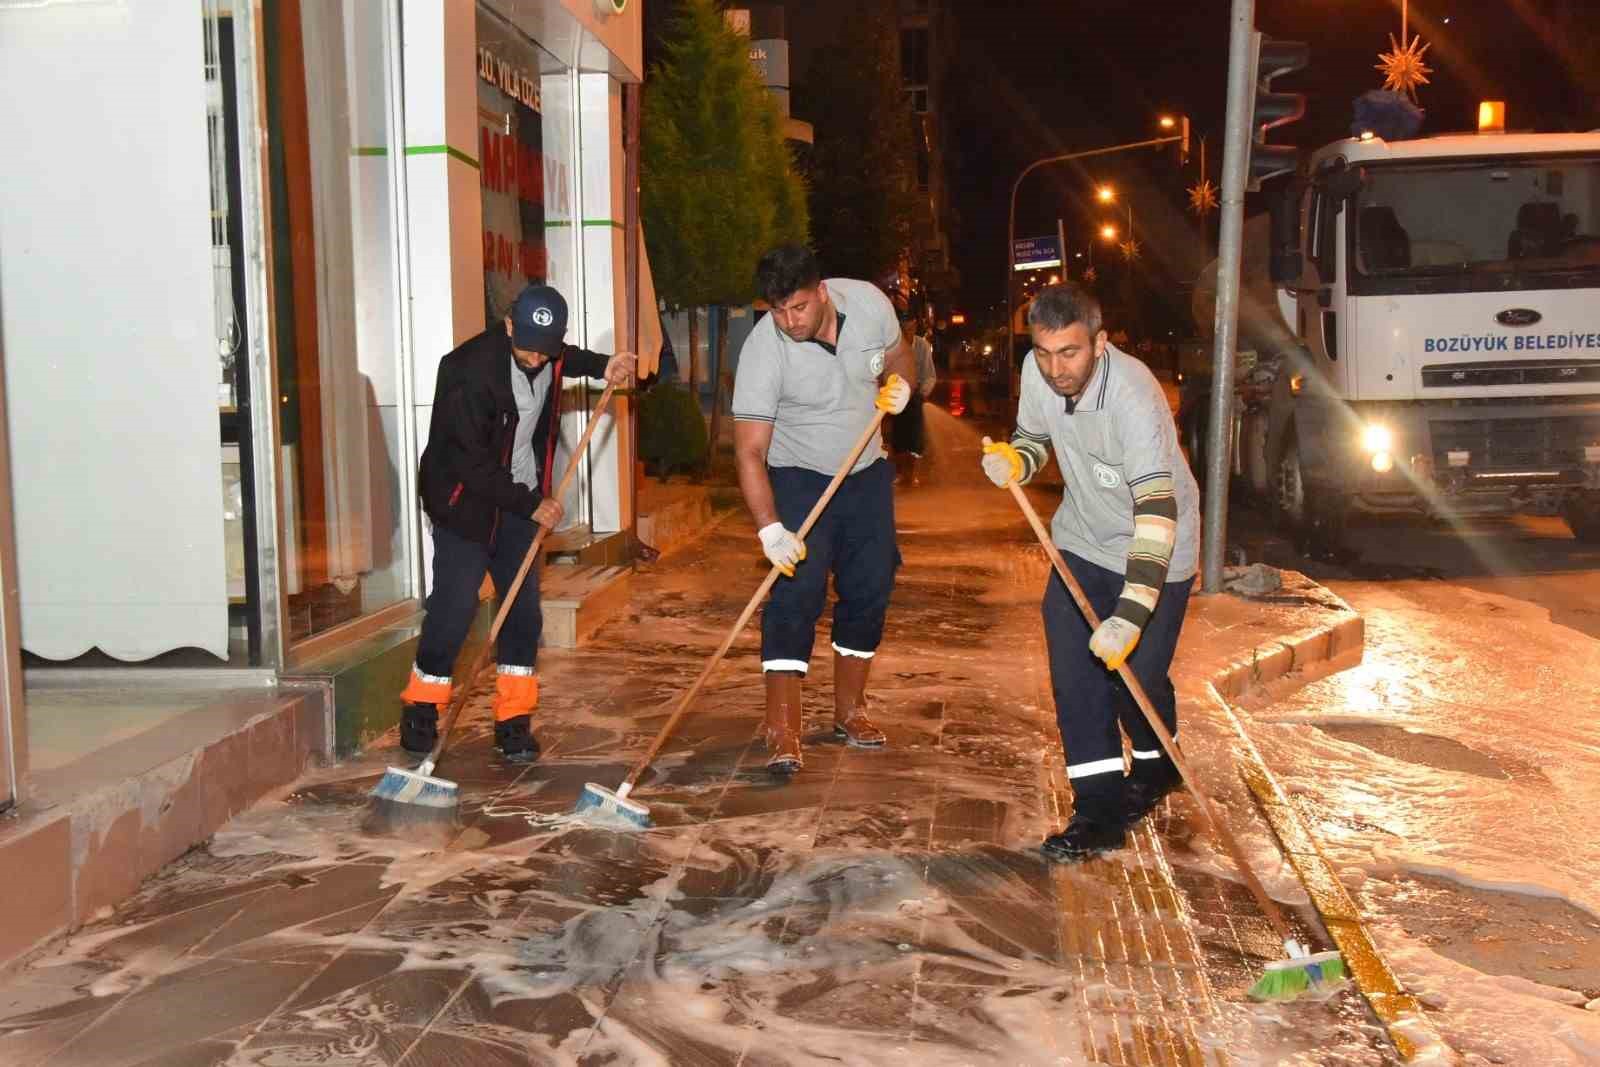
[[335, 283], [525, 146]]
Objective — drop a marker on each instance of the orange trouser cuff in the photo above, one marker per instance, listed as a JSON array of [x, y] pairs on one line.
[[425, 689], [515, 694]]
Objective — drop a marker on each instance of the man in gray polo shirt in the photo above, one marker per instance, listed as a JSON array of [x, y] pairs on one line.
[[1128, 528], [812, 374]]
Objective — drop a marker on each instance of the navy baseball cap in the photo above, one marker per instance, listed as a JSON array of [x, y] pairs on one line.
[[539, 320]]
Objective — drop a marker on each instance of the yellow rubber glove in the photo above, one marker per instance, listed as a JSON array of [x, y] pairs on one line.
[[1114, 640], [894, 396], [1002, 463]]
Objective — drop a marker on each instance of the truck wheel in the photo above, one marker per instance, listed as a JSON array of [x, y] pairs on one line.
[[1582, 512], [1289, 488], [1315, 520]]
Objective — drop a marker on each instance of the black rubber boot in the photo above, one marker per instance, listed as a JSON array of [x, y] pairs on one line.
[[1148, 786], [1085, 837], [419, 728], [514, 738]]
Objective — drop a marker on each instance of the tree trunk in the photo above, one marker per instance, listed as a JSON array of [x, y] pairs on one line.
[[718, 373], [694, 349]]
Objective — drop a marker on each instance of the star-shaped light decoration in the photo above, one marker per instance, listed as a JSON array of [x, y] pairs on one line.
[[1130, 249], [1203, 197], [1402, 66], [1089, 275]]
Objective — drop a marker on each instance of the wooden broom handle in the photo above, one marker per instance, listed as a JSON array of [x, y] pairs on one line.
[[1268, 905], [459, 698], [749, 609]]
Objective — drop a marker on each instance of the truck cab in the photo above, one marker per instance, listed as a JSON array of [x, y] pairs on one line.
[[1441, 296]]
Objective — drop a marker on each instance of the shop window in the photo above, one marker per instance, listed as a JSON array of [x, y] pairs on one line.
[[525, 171], [335, 285]]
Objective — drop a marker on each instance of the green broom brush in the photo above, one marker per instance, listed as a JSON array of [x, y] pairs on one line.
[[1302, 972]]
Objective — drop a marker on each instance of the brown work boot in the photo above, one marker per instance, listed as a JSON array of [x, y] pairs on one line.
[[783, 722], [850, 720]]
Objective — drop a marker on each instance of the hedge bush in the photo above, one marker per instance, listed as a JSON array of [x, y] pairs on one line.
[[672, 432]]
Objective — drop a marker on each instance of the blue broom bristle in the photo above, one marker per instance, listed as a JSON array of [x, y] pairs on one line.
[[408, 787], [598, 799]]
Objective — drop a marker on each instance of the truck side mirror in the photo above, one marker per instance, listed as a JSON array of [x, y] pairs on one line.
[[1344, 183], [1285, 266]]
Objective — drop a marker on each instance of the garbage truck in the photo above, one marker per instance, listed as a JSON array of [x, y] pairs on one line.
[[1419, 330]]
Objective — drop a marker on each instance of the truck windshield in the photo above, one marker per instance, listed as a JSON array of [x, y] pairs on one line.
[[1488, 222]]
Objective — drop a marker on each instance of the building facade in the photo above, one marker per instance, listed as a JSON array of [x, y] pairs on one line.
[[926, 27], [223, 302]]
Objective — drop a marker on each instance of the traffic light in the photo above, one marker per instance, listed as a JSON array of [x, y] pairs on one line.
[[1178, 126], [1269, 59]]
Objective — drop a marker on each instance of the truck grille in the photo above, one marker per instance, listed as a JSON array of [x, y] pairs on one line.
[[1516, 444], [1522, 372]]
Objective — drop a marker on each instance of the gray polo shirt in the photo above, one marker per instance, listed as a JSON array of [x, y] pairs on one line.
[[530, 397], [817, 401], [1119, 433]]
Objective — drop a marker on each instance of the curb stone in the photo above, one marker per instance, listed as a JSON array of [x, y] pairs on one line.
[[1314, 653]]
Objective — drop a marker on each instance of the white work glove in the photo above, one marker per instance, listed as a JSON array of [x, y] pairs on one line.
[[1002, 463], [1113, 641], [894, 396], [783, 548]]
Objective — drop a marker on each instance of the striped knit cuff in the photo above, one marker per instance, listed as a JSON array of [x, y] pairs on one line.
[[1033, 450], [1135, 605], [1155, 533]]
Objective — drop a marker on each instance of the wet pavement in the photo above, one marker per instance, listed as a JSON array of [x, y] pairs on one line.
[[882, 907], [1451, 776]]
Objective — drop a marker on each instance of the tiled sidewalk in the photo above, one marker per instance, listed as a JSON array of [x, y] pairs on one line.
[[882, 907]]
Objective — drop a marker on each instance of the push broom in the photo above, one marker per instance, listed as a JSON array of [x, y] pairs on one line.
[[614, 803], [417, 796], [1285, 979]]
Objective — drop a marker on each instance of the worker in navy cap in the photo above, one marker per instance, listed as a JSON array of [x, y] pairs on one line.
[[484, 482]]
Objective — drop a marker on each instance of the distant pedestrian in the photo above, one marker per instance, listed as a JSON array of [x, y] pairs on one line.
[[1128, 527], [908, 433]]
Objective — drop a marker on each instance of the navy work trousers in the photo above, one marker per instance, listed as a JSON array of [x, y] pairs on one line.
[[1092, 701], [459, 565], [854, 541]]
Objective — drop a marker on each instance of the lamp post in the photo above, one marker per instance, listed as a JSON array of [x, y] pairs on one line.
[[1011, 230], [1106, 195]]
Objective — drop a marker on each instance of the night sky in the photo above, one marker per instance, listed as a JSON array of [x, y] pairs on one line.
[[1032, 78]]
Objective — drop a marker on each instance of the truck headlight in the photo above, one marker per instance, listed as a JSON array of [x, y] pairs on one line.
[[1377, 438]]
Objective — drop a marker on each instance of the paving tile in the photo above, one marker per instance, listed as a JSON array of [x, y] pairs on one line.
[[882, 906], [164, 1016], [306, 897]]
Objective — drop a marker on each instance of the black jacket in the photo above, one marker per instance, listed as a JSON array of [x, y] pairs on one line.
[[465, 477]]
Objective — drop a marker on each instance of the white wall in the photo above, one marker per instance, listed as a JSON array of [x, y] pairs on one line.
[[106, 307]]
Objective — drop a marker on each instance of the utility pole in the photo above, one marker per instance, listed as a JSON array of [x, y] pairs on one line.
[[1230, 234]]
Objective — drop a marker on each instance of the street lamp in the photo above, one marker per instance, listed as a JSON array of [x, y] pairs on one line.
[[1011, 222], [1106, 194]]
